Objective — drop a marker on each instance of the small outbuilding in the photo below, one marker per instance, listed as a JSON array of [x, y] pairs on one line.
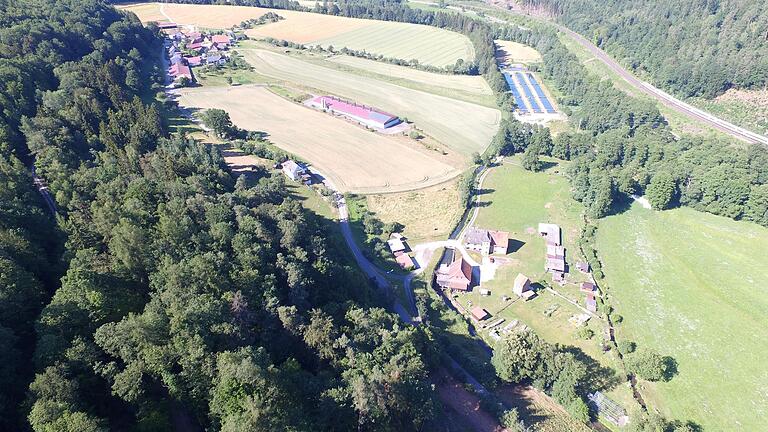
[[582, 266], [292, 170], [522, 285], [588, 287], [479, 313]]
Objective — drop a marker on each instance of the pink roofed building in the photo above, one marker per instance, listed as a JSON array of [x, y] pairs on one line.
[[363, 114], [194, 61], [179, 70], [222, 41]]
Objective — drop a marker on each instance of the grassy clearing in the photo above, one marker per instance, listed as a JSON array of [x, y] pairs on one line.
[[463, 127], [509, 52], [691, 285], [353, 158], [427, 44], [427, 214]]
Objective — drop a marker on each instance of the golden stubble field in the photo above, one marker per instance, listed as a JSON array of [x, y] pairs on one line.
[[354, 159], [461, 126], [429, 45]]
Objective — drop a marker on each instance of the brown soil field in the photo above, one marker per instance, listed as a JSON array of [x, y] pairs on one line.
[[354, 159]]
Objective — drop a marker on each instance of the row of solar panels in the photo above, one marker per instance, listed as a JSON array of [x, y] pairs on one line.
[[519, 82]]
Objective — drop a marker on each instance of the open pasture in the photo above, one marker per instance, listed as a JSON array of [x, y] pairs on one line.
[[356, 160], [427, 44], [461, 126], [692, 286], [465, 83]]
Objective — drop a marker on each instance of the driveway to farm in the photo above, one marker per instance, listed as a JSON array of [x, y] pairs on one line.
[[659, 95]]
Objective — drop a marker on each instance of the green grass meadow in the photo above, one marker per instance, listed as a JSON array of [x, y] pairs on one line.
[[692, 286]]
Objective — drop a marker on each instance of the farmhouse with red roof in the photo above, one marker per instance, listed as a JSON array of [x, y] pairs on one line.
[[454, 272]]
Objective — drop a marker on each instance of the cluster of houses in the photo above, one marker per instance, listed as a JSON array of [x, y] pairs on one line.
[[555, 263], [588, 288], [399, 250], [188, 48]]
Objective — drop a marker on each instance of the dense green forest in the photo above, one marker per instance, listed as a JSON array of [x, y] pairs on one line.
[[691, 47], [165, 293]]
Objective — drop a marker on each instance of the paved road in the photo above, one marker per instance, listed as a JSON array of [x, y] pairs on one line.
[[661, 96]]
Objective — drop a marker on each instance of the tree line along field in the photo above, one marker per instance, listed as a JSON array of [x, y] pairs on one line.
[[692, 285], [464, 127], [428, 45], [355, 160]]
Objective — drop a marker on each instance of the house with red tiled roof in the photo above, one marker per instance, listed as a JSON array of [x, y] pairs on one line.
[[404, 260], [454, 272], [222, 41], [179, 70]]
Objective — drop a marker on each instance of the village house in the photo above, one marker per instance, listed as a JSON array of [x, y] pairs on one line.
[[588, 287], [194, 60], [522, 287], [292, 170], [454, 272], [486, 241], [180, 70], [221, 41], [551, 232]]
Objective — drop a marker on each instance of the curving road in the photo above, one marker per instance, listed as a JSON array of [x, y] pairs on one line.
[[661, 96]]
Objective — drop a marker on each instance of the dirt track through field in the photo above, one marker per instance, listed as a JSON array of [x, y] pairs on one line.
[[462, 126], [355, 159]]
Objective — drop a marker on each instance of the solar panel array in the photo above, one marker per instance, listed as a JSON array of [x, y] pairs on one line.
[[524, 97], [528, 93], [516, 94], [542, 97]]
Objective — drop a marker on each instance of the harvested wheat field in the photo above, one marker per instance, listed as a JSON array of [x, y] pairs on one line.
[[429, 45], [461, 126], [508, 52], [354, 159], [474, 84]]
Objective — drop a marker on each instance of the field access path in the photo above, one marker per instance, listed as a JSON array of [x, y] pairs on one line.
[[659, 95]]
